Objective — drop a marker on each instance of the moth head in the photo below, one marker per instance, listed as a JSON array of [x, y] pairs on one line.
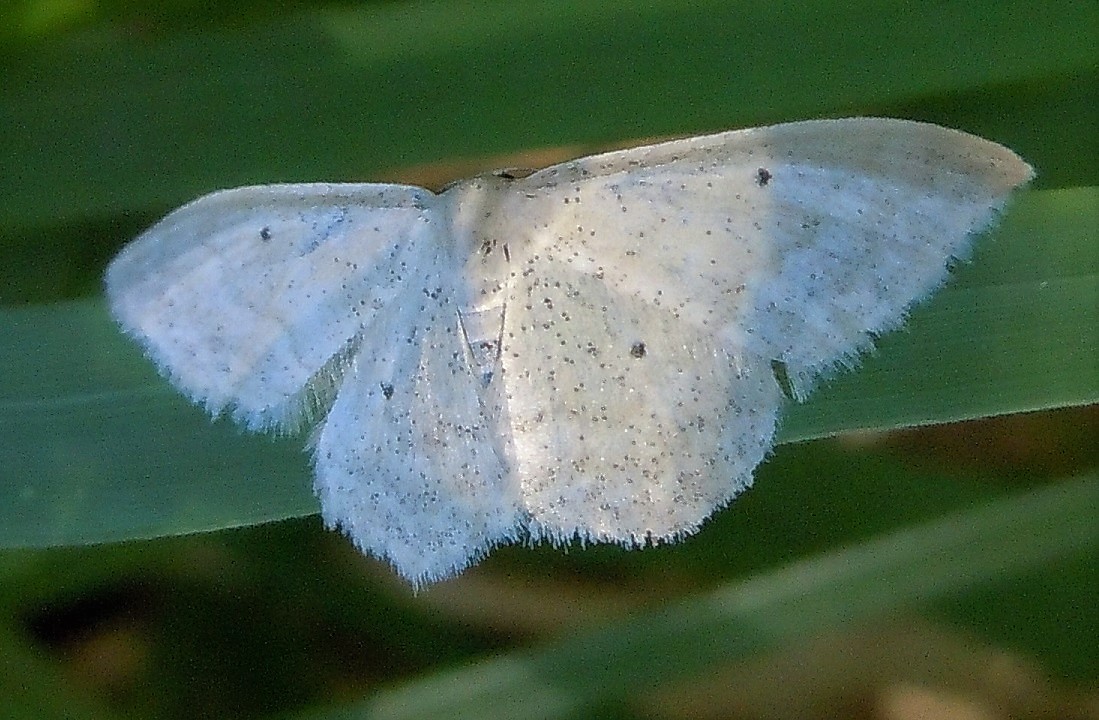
[[513, 173], [473, 201]]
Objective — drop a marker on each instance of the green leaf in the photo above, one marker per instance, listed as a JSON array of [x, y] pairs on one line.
[[97, 448]]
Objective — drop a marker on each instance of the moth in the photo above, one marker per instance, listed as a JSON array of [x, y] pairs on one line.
[[587, 352]]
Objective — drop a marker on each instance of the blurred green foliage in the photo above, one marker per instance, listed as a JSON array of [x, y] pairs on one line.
[[113, 112]]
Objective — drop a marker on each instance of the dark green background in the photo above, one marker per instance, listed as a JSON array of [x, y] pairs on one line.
[[111, 114]]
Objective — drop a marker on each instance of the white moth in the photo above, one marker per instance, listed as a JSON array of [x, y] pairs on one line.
[[585, 352]]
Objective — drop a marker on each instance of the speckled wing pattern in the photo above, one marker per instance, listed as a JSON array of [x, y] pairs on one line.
[[250, 299], [719, 256], [285, 305], [587, 352]]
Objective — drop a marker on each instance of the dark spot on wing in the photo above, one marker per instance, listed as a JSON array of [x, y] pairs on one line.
[[763, 176], [637, 350]]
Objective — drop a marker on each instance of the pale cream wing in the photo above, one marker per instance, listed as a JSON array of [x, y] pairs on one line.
[[633, 417], [861, 218], [412, 462], [653, 289], [249, 300]]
